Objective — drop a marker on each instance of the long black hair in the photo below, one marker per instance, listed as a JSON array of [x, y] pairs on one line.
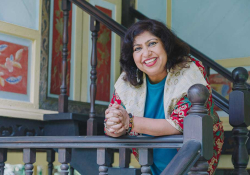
[[176, 49]]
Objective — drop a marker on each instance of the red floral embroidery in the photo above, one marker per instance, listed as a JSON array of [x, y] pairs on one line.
[[181, 109]]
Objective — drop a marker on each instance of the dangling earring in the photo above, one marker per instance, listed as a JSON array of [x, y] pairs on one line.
[[137, 76]]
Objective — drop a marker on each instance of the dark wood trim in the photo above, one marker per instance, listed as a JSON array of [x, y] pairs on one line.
[[127, 17], [101, 17]]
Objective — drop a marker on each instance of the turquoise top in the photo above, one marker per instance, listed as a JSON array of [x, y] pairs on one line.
[[154, 109]]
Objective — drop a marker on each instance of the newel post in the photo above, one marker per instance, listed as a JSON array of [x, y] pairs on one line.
[[239, 118], [198, 125], [63, 98]]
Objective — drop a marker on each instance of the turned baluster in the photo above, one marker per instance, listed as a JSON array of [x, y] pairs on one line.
[[50, 160], [199, 126], [239, 118], [103, 160], [124, 157], [3, 158], [63, 98], [64, 157], [29, 157], [207, 68], [145, 160], [72, 170], [91, 124]]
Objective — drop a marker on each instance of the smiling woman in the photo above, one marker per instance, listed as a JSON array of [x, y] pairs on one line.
[[151, 94]]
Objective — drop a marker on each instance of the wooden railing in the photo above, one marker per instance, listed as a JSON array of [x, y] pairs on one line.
[[198, 134]]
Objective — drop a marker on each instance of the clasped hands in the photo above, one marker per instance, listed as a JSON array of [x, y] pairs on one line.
[[116, 119]]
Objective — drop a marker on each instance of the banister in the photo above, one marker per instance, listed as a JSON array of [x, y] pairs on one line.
[[184, 160], [175, 141], [101, 17]]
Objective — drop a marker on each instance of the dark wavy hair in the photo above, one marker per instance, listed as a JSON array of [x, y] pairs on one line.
[[176, 49]]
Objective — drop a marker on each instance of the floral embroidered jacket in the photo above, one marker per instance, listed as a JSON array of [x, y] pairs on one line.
[[176, 103]]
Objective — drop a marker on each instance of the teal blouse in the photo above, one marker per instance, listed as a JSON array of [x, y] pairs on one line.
[[154, 109]]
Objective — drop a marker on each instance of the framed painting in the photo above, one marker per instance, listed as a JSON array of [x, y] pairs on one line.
[[15, 68]]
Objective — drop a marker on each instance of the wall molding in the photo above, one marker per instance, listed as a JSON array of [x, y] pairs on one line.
[[169, 14], [234, 62]]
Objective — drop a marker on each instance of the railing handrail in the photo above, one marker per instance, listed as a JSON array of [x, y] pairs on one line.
[[181, 164], [101, 17], [175, 141], [202, 57]]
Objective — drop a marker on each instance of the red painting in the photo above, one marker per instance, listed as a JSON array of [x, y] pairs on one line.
[[57, 45], [104, 60], [13, 67], [222, 85]]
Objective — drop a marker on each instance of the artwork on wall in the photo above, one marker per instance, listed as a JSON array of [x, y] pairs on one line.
[[13, 67], [57, 45], [222, 85], [104, 60]]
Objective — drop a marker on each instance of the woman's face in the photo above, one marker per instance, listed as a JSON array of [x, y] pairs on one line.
[[150, 56]]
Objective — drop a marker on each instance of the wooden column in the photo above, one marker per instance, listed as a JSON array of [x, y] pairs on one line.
[[3, 158], [91, 124], [207, 68], [199, 126], [124, 157], [239, 118], [50, 160], [63, 98], [145, 160], [64, 157], [29, 157], [103, 160]]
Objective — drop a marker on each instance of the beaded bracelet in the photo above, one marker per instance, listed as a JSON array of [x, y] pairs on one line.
[[131, 123]]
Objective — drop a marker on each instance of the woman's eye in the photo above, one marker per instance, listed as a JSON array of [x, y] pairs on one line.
[[152, 43], [137, 49]]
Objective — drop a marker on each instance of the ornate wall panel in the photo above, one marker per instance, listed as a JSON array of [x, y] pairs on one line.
[[104, 60]]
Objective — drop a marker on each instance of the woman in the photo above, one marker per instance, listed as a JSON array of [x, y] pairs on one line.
[[151, 94]]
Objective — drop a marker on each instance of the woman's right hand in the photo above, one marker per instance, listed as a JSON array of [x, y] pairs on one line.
[[115, 117]]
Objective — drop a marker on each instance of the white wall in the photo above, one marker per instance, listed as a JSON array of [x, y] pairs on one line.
[[24, 13], [220, 29]]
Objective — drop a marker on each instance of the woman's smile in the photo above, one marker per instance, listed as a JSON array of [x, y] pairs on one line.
[[150, 62]]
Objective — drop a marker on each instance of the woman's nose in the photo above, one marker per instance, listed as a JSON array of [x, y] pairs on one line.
[[146, 52]]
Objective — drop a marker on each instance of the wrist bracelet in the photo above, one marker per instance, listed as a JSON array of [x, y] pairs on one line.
[[131, 123]]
